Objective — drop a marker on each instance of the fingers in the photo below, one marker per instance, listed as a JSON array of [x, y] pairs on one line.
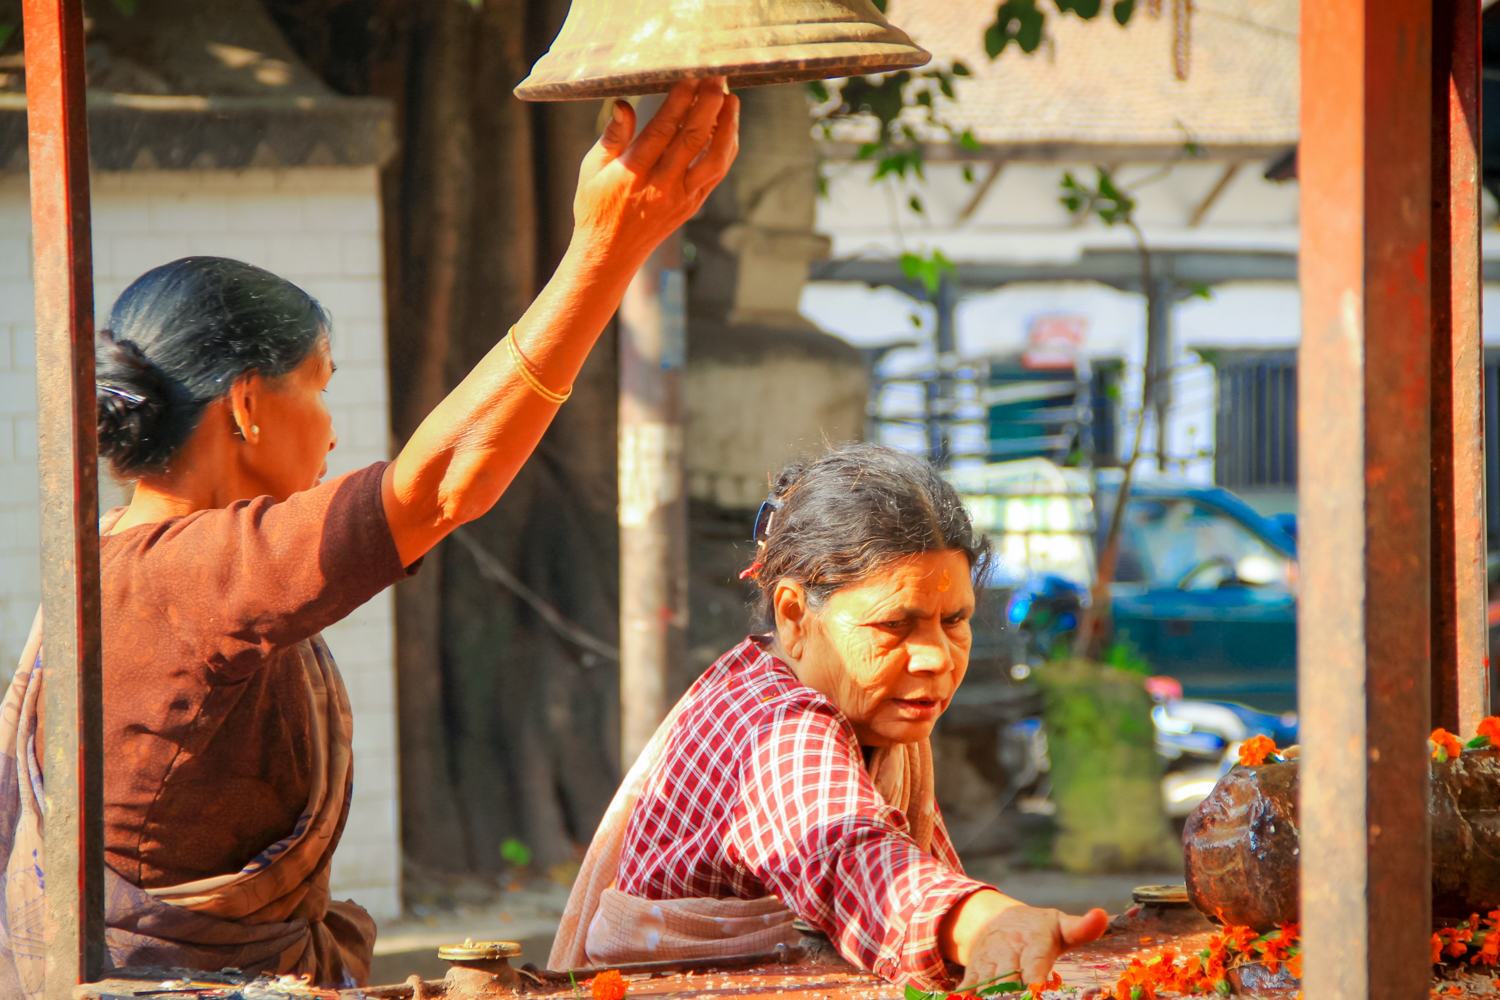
[[694, 133], [1081, 930], [647, 148], [1036, 963], [614, 141], [619, 131], [716, 160], [995, 954]]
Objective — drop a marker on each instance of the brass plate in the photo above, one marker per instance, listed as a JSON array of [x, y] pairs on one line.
[[479, 951], [1160, 895]]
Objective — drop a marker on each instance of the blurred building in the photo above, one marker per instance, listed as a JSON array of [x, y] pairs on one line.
[[230, 148], [1197, 120]]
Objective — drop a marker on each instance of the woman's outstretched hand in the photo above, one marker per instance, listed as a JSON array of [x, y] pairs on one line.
[[634, 190], [990, 935]]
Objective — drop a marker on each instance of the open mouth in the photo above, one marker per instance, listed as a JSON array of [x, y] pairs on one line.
[[919, 708]]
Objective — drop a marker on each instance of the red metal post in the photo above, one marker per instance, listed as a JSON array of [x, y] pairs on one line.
[[1460, 660], [1364, 675], [73, 708]]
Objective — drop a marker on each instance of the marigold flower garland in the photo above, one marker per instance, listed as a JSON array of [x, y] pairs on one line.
[[1474, 939], [1446, 746], [1206, 972]]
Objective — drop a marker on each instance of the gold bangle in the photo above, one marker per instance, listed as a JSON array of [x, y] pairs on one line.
[[530, 377]]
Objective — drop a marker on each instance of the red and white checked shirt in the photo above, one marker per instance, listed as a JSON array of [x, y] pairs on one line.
[[763, 790]]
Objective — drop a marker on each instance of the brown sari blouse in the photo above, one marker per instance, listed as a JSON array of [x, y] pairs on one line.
[[206, 735]]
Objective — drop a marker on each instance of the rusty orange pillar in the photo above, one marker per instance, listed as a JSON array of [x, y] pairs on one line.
[[1365, 403], [1460, 657], [73, 859]]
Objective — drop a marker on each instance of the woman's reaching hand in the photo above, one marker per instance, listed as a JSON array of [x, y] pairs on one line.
[[634, 190], [992, 935]]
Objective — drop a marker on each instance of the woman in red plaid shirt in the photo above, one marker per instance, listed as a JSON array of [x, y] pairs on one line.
[[795, 776]]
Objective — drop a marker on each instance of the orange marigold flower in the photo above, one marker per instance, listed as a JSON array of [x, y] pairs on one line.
[[609, 985], [1456, 938], [1437, 949], [1035, 989], [1294, 965], [1291, 933], [1240, 939], [1255, 750], [1445, 745], [1274, 951], [1490, 726], [1489, 951]]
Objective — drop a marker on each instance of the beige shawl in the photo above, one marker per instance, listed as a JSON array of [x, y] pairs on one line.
[[603, 926]]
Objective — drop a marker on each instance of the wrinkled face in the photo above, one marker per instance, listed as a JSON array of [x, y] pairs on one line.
[[288, 430], [889, 651]]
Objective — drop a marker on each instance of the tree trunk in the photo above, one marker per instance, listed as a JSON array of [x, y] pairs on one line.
[[507, 730]]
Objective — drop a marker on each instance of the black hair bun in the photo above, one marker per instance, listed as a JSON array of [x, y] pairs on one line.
[[133, 398]]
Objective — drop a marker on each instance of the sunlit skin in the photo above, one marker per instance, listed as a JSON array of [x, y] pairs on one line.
[[271, 437], [890, 651], [265, 437]]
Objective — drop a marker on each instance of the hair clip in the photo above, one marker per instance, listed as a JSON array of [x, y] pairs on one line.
[[763, 518], [753, 572], [121, 393]]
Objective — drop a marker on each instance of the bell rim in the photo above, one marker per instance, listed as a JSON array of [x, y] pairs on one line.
[[749, 73]]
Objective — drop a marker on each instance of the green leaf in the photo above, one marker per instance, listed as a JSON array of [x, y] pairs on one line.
[[1086, 9], [1222, 987], [999, 988], [915, 204], [1202, 291], [880, 5], [960, 69], [912, 993], [995, 40], [126, 7], [1477, 743], [1122, 11], [6, 30], [968, 173], [818, 89], [1193, 149], [867, 151], [925, 98], [967, 141], [516, 852]]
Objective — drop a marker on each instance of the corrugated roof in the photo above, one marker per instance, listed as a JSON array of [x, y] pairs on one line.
[[1097, 83]]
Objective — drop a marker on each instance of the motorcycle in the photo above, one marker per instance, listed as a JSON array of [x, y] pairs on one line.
[[1198, 740]]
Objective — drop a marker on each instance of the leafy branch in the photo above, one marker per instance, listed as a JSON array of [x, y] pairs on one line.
[[1023, 22], [929, 269], [897, 146]]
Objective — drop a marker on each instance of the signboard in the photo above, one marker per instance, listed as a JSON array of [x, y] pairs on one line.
[[1055, 340]]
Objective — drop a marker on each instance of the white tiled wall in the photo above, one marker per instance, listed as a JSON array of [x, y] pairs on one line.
[[318, 227]]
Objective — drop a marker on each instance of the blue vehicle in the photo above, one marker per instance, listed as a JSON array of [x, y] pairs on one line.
[[1205, 590]]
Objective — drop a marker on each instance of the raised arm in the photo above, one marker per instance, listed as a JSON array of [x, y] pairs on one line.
[[632, 194]]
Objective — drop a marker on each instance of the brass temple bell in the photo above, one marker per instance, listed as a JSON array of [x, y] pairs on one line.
[[616, 48]]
